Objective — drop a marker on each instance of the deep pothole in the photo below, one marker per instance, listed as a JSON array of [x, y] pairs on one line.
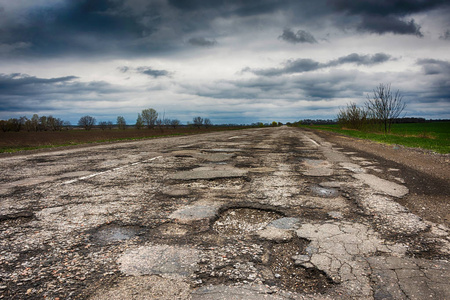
[[324, 192], [244, 221], [242, 257], [115, 233], [295, 278]]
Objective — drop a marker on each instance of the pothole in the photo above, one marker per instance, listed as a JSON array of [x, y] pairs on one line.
[[16, 218], [244, 221], [115, 233], [250, 262], [173, 229], [294, 278], [324, 192]]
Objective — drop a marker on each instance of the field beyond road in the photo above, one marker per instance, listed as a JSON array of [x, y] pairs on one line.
[[433, 136], [24, 140], [274, 213]]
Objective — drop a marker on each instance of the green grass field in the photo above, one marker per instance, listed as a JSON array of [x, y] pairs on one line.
[[432, 136]]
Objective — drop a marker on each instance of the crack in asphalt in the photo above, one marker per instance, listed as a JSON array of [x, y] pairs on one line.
[[242, 221]]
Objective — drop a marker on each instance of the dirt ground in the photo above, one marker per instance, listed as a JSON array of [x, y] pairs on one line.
[[428, 174], [80, 136], [272, 213]]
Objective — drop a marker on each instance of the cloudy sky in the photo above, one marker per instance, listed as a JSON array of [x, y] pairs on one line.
[[233, 61]]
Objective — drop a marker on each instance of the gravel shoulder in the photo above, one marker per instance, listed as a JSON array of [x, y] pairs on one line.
[[427, 173]]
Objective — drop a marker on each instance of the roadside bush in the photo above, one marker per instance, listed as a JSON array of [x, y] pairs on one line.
[[353, 117]]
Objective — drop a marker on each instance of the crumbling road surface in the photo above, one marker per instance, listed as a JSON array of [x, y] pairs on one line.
[[271, 213]]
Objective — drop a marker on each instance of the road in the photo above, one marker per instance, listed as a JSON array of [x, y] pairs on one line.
[[269, 213]]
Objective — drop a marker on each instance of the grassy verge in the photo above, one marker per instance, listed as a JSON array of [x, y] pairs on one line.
[[11, 142], [432, 136]]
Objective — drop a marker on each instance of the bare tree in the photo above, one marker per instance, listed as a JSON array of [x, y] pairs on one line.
[[87, 122], [102, 125], [35, 122], [385, 106], [198, 122], [207, 122], [121, 123], [174, 123], [149, 116], [139, 122], [160, 124], [67, 125]]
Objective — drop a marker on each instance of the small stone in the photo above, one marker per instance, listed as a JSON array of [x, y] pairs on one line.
[[301, 258], [277, 275], [335, 214]]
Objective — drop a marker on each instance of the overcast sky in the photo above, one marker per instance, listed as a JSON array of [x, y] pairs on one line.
[[232, 61]]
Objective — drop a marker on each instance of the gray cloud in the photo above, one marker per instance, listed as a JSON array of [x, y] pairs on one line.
[[300, 37], [445, 35], [307, 65], [385, 24], [434, 66], [438, 85], [152, 72], [146, 71], [366, 60], [202, 42], [21, 91], [304, 86], [17, 83], [387, 16], [123, 69], [386, 7], [142, 28]]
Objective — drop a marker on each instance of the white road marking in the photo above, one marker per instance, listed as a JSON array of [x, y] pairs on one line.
[[112, 170], [313, 141]]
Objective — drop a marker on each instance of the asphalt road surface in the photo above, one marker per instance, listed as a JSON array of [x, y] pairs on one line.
[[270, 213]]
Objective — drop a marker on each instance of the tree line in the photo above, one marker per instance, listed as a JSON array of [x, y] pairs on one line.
[[148, 118], [36, 123]]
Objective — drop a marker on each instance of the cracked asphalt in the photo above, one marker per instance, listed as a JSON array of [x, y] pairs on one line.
[[270, 213]]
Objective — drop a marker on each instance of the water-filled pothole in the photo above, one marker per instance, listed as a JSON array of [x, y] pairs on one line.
[[324, 192], [244, 221], [115, 233]]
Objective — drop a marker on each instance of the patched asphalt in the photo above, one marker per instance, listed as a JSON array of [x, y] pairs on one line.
[[272, 213]]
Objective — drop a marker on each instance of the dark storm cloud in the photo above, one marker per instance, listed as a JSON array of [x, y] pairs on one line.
[[438, 73], [306, 65], [386, 7], [17, 83], [24, 91], [387, 16], [434, 66], [202, 42], [135, 27], [300, 37], [75, 27], [384, 24]]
